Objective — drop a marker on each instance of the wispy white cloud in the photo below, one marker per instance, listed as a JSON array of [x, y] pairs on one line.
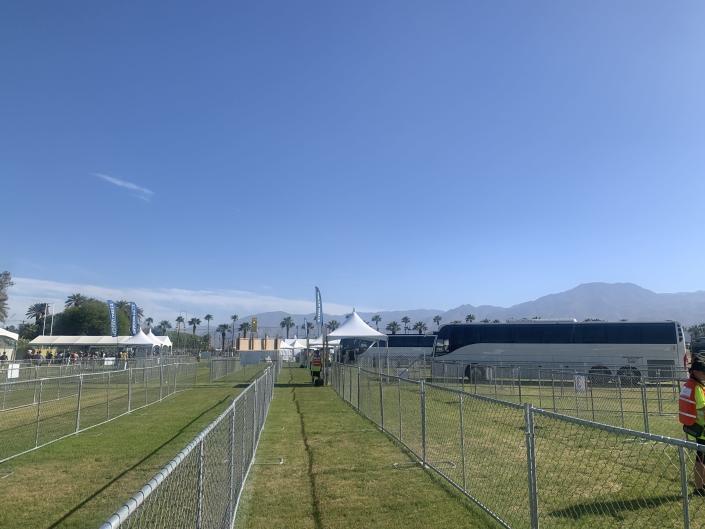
[[140, 192], [163, 303]]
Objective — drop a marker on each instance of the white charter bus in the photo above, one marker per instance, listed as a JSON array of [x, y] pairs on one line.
[[623, 349]]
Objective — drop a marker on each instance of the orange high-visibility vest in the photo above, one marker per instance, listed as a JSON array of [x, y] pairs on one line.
[[687, 413]]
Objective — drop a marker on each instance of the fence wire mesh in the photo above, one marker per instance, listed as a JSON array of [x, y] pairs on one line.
[[40, 411], [201, 487], [530, 467]]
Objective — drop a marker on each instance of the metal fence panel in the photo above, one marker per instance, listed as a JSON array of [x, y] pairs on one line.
[[40, 411], [200, 488]]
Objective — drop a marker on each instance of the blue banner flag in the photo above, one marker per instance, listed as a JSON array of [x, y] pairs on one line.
[[113, 319], [133, 318], [319, 308]]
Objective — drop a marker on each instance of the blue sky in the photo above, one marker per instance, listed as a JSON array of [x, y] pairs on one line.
[[396, 154]]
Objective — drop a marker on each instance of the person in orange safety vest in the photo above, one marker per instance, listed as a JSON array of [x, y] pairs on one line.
[[691, 413]]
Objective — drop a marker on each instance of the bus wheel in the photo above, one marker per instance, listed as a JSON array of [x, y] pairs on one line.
[[599, 375], [629, 376]]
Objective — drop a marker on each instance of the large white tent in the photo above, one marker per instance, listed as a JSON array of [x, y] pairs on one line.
[[159, 341], [8, 343], [355, 327]]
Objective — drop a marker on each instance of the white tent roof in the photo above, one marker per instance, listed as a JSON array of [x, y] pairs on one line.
[[284, 345], [79, 340], [355, 327], [8, 334], [139, 339], [165, 340], [156, 340], [299, 344], [317, 343]]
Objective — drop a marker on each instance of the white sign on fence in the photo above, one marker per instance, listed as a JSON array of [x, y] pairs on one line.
[[580, 384], [13, 371], [109, 361]]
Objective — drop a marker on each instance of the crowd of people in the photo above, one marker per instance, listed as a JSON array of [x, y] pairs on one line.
[[72, 357]]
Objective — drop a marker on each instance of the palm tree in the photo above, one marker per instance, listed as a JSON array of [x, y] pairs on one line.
[[179, 323], [75, 300], [234, 318], [287, 323], [406, 321], [377, 318], [164, 325], [485, 321], [469, 318], [222, 329], [309, 327], [393, 327], [244, 328], [149, 322], [332, 325], [208, 318], [420, 326], [437, 320], [37, 311], [193, 322]]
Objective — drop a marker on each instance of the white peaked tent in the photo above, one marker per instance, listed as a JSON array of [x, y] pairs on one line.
[[165, 340], [155, 339], [8, 334], [286, 350], [355, 327], [139, 341]]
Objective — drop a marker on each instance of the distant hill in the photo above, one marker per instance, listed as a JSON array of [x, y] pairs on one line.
[[605, 301]]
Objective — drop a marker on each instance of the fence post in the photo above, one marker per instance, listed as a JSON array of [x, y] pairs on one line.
[[161, 382], [254, 421], [242, 451], [519, 383], [684, 487], [423, 423], [645, 406], [78, 404], [531, 465], [39, 405], [107, 398], [199, 500], [553, 390], [621, 404], [358, 388], [381, 402], [129, 390], [462, 439], [400, 413], [232, 468]]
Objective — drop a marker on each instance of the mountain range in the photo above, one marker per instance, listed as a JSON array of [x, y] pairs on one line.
[[604, 301]]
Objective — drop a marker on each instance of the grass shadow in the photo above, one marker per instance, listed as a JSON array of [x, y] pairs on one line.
[[137, 464], [613, 508]]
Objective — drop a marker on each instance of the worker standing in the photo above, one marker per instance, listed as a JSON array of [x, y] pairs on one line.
[[691, 414], [316, 365]]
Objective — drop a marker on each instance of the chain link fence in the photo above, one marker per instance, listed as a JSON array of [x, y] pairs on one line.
[[613, 395], [36, 412], [246, 363], [201, 487], [529, 467], [15, 370]]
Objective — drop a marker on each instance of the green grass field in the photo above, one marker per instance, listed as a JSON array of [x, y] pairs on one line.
[[79, 481], [339, 471], [586, 477]]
